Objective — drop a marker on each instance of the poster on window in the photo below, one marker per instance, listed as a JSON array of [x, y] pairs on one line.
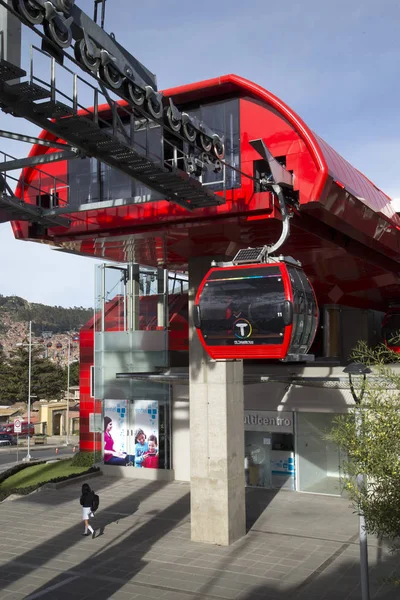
[[146, 434], [115, 431]]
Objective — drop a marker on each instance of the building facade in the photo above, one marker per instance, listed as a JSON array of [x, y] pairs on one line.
[[151, 399]]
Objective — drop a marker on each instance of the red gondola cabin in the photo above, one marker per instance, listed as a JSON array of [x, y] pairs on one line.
[[265, 311]]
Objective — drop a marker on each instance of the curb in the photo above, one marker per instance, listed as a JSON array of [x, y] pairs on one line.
[[61, 484], [5, 449]]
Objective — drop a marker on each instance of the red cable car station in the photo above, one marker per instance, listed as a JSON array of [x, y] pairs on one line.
[[243, 259]]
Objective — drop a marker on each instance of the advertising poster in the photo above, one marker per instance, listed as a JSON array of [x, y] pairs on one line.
[[115, 432], [146, 434]]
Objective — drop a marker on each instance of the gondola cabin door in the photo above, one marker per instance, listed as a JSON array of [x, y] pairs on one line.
[[252, 311]]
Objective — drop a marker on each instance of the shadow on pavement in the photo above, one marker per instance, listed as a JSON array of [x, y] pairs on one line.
[[42, 553], [257, 500], [123, 559]]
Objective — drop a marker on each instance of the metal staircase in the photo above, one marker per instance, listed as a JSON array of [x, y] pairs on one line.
[[86, 130]]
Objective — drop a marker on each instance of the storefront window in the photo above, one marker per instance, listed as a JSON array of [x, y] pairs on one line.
[[137, 432], [318, 459], [269, 450]]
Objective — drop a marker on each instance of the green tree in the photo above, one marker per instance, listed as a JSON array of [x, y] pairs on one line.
[[6, 395], [48, 380], [373, 448], [73, 373]]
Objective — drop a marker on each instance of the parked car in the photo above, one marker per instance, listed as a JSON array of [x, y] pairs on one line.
[[9, 428], [6, 439]]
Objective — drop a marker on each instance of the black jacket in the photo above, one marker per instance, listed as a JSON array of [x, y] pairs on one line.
[[87, 499]]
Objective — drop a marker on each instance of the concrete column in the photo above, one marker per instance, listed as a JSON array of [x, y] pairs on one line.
[[162, 298], [133, 296], [216, 437]]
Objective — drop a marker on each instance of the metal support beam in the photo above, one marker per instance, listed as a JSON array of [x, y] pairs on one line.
[[19, 137], [281, 176], [21, 163], [22, 211]]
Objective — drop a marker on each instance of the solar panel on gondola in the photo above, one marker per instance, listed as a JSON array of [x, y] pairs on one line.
[[266, 311]]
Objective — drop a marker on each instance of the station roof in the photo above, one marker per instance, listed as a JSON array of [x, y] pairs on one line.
[[346, 235]]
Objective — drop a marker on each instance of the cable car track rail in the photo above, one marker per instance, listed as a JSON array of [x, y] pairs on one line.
[[84, 29], [184, 188]]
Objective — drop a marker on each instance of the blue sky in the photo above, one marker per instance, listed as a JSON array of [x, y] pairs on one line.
[[335, 64]]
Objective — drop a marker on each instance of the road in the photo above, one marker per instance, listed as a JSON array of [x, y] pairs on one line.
[[8, 457]]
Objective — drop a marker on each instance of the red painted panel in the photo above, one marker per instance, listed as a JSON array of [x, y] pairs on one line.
[[270, 351], [335, 218]]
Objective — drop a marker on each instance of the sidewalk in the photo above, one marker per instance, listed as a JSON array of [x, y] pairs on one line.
[[299, 547]]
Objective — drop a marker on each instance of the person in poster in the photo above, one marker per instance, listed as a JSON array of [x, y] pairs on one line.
[[150, 460], [112, 456], [146, 434], [141, 447]]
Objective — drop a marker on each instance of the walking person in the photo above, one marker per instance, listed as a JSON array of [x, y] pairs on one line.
[[86, 501]]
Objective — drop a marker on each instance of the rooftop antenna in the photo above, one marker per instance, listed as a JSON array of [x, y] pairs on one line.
[[103, 11]]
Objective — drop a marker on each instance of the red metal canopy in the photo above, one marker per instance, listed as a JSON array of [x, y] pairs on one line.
[[346, 232]]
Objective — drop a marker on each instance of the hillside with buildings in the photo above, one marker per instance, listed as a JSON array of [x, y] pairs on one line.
[[53, 327]]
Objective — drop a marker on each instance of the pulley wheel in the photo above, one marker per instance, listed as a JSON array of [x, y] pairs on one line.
[[136, 95], [111, 76], [57, 31], [189, 131], [173, 123], [64, 6], [29, 11], [206, 142], [154, 107], [82, 55], [219, 149], [217, 167]]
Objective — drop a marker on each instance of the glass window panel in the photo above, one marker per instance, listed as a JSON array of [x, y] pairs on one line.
[[318, 459], [239, 308]]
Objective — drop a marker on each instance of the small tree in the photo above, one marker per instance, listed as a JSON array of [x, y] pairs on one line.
[[48, 380], [373, 449]]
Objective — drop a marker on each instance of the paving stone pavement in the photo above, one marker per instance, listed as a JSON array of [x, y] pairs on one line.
[[299, 546]]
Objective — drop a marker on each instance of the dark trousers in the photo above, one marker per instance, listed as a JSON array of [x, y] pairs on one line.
[[116, 460]]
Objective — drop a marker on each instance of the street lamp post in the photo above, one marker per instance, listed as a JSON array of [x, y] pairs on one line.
[[67, 414], [360, 369], [74, 338], [28, 455]]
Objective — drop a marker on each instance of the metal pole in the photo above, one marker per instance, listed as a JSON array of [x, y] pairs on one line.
[[28, 456], [67, 426], [364, 572], [362, 530]]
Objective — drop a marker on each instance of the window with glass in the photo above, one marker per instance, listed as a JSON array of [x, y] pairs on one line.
[[223, 119], [236, 306], [91, 181], [318, 459], [136, 431]]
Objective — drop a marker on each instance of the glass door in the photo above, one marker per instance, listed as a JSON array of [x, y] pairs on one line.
[[318, 458], [257, 453]]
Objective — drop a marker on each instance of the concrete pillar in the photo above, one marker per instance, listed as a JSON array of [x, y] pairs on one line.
[[216, 437], [133, 297], [162, 298]]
